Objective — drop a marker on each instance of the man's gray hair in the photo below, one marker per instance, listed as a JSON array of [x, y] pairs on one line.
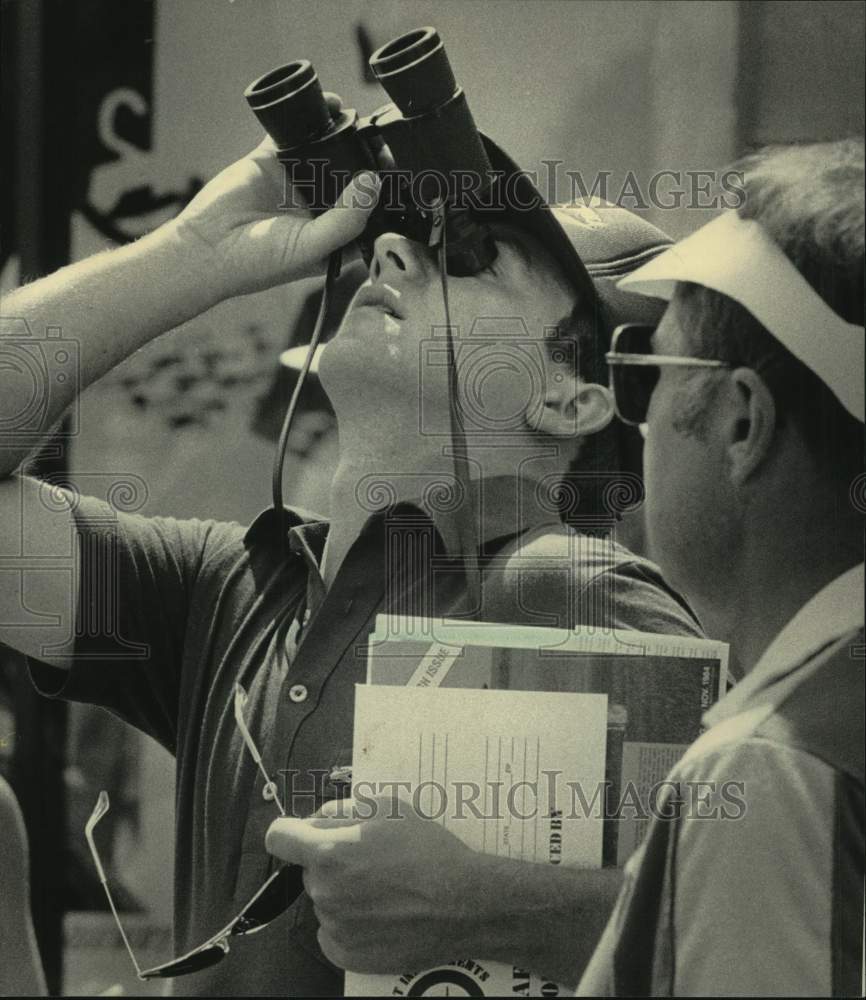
[[810, 200]]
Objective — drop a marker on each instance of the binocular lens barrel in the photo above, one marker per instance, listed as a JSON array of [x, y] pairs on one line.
[[415, 72], [428, 128], [290, 104]]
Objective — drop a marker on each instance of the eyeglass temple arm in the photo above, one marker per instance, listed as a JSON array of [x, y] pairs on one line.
[[617, 358], [240, 702], [99, 810]]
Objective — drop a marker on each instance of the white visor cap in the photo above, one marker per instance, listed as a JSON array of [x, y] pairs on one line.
[[738, 258]]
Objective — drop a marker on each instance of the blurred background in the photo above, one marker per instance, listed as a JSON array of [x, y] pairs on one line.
[[113, 115]]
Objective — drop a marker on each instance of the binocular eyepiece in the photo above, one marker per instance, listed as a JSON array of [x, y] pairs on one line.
[[428, 129], [415, 71]]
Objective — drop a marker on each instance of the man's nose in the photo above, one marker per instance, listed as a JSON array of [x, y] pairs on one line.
[[395, 256]]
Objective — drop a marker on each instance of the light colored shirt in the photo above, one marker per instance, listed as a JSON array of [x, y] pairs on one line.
[[753, 885], [834, 611]]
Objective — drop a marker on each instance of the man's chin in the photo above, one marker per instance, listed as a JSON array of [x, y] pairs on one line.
[[351, 364]]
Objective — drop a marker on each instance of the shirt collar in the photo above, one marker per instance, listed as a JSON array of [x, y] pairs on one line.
[[833, 612], [504, 506], [264, 525]]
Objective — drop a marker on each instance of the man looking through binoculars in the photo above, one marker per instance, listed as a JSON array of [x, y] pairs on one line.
[[287, 613]]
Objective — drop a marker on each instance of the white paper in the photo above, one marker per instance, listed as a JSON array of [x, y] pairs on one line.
[[519, 749]]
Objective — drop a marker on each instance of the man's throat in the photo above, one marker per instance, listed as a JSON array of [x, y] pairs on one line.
[[370, 479]]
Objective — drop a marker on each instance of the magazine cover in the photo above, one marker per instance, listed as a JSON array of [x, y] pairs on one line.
[[457, 679]]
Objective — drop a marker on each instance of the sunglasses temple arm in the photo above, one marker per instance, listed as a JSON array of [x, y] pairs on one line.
[[102, 878], [240, 701], [122, 931], [272, 785]]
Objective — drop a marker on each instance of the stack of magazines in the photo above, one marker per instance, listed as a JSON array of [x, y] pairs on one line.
[[542, 745]]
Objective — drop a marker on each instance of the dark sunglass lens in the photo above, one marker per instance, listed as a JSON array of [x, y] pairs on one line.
[[192, 963], [635, 339], [272, 899], [634, 386], [627, 342]]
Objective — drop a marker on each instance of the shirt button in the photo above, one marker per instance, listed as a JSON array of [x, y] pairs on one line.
[[298, 693], [269, 793]]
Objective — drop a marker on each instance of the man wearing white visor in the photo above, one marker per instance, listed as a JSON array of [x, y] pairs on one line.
[[751, 391]]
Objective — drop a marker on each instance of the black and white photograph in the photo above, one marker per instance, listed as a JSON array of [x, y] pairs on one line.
[[432, 498]]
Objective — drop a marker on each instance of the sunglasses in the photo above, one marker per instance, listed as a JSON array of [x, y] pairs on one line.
[[634, 370], [277, 894]]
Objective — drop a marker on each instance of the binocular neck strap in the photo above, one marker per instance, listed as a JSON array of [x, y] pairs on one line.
[[334, 264], [467, 527]]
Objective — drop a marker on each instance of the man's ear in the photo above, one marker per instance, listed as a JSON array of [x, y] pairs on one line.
[[751, 424], [573, 408]]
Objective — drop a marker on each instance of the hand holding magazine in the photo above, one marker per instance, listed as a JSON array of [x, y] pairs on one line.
[[536, 744]]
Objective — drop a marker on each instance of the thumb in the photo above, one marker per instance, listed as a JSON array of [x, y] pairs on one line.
[[342, 223], [298, 841], [337, 812]]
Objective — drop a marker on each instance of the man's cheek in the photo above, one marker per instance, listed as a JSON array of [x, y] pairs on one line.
[[649, 472], [427, 379], [498, 392], [662, 513]]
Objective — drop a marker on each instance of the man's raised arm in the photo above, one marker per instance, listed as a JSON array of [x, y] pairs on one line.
[[232, 239]]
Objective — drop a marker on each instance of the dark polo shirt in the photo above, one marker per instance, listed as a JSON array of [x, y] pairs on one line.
[[172, 613]]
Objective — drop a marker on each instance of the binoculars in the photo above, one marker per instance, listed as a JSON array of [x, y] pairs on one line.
[[440, 161]]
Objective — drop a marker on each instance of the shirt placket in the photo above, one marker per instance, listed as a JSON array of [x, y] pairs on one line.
[[315, 650], [290, 698], [329, 622], [315, 595]]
